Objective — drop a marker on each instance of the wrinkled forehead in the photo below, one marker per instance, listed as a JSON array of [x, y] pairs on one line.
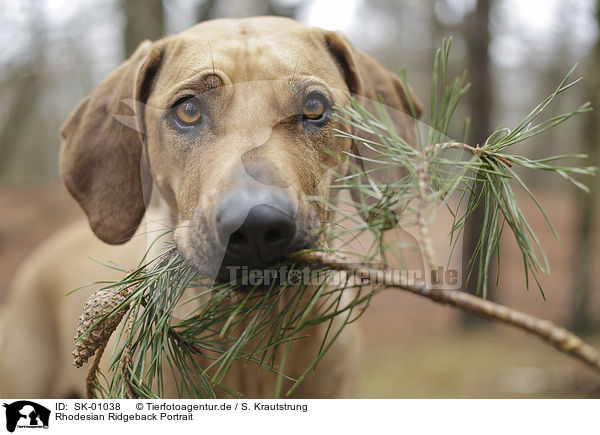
[[249, 54]]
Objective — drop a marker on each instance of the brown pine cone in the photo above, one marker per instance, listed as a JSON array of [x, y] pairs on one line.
[[96, 307]]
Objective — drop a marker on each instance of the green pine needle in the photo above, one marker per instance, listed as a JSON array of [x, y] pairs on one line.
[[219, 325]]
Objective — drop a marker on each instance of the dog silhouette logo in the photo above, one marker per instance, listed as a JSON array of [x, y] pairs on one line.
[[26, 414]]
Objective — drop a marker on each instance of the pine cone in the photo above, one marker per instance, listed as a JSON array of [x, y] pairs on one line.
[[96, 307]]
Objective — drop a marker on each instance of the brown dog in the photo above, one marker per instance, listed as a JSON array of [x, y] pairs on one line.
[[233, 122]]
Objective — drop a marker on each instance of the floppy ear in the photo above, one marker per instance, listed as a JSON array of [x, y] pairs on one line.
[[370, 82], [102, 162], [368, 79]]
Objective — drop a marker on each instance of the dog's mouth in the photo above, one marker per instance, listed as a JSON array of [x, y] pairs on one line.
[[247, 254], [214, 263], [260, 272]]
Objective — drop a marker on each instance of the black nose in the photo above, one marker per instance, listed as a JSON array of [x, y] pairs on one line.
[[256, 229]]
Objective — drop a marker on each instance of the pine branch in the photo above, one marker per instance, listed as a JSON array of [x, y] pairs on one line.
[[127, 358], [433, 176], [92, 384], [224, 325], [562, 339]]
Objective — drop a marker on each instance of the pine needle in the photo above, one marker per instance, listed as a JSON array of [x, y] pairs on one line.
[[227, 324]]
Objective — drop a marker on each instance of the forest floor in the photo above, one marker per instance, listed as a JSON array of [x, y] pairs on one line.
[[412, 347]]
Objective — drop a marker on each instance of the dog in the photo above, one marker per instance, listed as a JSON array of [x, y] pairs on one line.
[[233, 123]]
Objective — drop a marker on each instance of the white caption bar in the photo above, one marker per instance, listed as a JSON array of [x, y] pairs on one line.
[[307, 417]]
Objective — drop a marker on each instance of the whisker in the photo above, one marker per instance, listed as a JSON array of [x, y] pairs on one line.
[[167, 219], [212, 59], [295, 67]]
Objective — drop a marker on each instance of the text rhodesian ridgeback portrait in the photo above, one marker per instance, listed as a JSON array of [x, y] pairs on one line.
[[233, 123]]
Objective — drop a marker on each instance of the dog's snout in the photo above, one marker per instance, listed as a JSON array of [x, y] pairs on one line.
[[255, 231]]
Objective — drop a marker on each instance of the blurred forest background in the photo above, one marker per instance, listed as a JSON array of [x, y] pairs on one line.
[[53, 52]]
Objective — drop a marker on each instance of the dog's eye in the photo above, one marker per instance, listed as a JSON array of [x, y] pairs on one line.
[[315, 107], [188, 112]]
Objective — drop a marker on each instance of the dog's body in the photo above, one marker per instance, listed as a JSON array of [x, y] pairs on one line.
[[232, 120], [40, 322]]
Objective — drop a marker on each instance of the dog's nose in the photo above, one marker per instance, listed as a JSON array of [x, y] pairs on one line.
[[256, 229]]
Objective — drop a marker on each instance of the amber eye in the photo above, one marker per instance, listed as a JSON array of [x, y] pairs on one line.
[[188, 112], [315, 106]]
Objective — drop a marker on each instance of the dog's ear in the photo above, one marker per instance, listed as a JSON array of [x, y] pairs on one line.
[[367, 79], [102, 161], [370, 83]]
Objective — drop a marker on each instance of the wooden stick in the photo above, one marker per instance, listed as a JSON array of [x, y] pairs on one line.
[[93, 371], [562, 339]]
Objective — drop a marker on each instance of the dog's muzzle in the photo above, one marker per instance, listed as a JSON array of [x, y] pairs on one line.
[[256, 226]]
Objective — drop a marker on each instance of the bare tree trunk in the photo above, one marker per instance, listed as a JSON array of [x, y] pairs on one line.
[[248, 8], [11, 133], [25, 80], [582, 267], [480, 100], [144, 19], [205, 10], [478, 41], [241, 8]]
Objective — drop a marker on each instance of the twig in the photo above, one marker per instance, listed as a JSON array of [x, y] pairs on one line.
[[183, 342], [422, 187], [422, 172], [562, 339], [476, 151], [91, 380], [126, 358]]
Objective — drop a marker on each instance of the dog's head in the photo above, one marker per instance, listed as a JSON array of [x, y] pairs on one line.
[[233, 121]]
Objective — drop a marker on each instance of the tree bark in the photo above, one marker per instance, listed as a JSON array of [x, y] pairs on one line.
[[580, 320], [144, 19], [480, 101]]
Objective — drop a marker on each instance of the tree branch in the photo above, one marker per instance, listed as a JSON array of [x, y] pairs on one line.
[[91, 381], [562, 339]]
